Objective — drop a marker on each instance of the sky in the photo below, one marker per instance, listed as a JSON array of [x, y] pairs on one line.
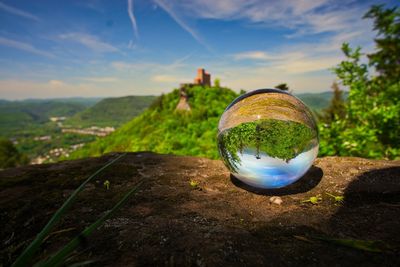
[[102, 48]]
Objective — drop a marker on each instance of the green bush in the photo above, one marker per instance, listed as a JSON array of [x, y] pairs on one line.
[[9, 155]]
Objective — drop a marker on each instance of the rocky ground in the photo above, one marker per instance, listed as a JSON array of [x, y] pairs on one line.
[[191, 212]]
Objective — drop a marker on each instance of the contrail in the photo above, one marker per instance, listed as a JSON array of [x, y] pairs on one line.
[[181, 23], [24, 46], [18, 12], [133, 19]]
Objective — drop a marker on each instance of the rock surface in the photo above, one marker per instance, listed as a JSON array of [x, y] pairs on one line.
[[191, 212]]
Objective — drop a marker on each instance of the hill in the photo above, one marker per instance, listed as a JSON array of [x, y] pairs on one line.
[[18, 116], [318, 101], [162, 129], [111, 111], [217, 222]]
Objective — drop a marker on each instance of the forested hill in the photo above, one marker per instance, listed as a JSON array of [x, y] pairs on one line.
[[16, 116], [162, 129], [318, 101], [111, 111]]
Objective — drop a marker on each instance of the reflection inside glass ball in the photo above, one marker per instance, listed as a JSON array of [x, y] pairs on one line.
[[268, 138]]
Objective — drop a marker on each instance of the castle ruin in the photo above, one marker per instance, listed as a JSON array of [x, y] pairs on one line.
[[203, 78]]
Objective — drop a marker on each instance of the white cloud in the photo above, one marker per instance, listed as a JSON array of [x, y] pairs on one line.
[[100, 79], [251, 78], [22, 89], [18, 12], [308, 65], [290, 62], [56, 84], [300, 15], [149, 66], [168, 79], [24, 46], [253, 55], [132, 18], [89, 41]]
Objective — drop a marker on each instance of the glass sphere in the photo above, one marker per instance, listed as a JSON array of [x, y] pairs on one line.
[[268, 138]]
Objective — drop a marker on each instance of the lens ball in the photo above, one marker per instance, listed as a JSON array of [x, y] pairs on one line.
[[268, 138]]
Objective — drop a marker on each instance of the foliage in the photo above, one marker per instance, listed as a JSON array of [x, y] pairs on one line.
[[217, 83], [371, 126], [336, 109], [9, 155], [162, 129], [276, 138], [315, 200], [282, 86], [386, 57]]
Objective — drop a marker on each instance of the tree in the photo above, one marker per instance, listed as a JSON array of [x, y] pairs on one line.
[[371, 127], [9, 155], [336, 109], [282, 86], [276, 138], [157, 103], [217, 83], [386, 58]]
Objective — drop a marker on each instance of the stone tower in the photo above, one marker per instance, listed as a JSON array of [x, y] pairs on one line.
[[203, 78]]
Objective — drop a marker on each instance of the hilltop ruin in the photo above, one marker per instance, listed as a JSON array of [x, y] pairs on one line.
[[203, 78]]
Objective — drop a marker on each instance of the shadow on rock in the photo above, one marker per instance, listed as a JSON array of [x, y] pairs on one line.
[[371, 210], [310, 180]]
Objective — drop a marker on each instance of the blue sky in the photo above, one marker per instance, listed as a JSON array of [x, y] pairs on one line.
[[139, 47]]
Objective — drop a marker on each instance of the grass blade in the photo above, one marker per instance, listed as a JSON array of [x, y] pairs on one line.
[[366, 245], [79, 264], [58, 258], [28, 253]]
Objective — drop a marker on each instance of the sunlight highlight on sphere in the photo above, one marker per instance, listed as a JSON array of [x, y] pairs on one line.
[[268, 138]]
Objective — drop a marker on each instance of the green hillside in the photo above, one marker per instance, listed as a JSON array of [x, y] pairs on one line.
[[162, 129], [18, 116], [111, 111]]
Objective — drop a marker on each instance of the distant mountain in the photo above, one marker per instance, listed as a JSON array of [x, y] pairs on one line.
[[317, 101], [20, 115], [111, 111], [86, 101]]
